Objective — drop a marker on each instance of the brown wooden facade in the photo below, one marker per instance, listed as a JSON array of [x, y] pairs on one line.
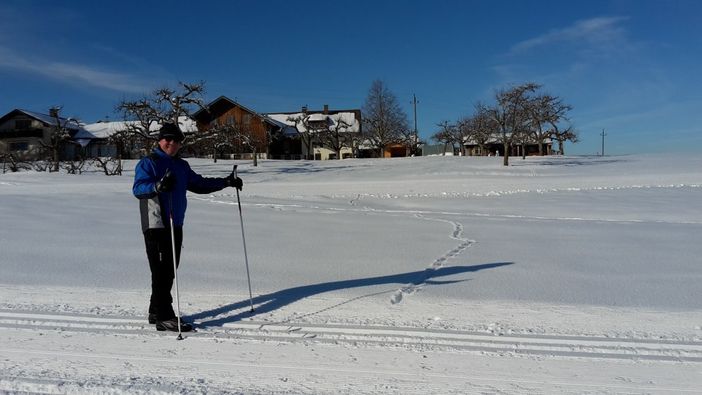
[[224, 111], [396, 151]]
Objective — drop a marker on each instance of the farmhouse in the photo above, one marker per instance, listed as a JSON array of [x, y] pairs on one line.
[[245, 133], [27, 134], [307, 134], [319, 134]]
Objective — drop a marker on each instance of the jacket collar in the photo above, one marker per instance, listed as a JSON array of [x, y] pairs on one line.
[[158, 151]]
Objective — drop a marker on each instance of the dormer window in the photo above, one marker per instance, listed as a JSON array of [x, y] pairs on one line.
[[318, 122]]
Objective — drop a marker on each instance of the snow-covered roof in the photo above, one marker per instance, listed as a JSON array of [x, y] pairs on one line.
[[317, 117], [47, 119], [102, 130], [335, 120], [276, 122]]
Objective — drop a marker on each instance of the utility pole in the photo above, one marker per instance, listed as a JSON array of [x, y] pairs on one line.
[[603, 134], [416, 133]]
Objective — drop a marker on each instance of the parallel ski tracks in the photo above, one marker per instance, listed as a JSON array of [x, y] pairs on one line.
[[539, 345]]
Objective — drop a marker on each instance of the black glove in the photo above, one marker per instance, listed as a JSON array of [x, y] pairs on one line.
[[234, 181], [166, 183]]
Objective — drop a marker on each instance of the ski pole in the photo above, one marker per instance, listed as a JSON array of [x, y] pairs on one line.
[[175, 266], [243, 238]]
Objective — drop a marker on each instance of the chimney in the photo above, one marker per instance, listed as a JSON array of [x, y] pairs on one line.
[[304, 109], [326, 108], [54, 112]]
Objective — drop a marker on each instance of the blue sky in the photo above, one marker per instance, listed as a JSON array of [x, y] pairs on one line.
[[631, 67]]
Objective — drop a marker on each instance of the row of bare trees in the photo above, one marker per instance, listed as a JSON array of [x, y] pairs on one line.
[[144, 116], [521, 115]]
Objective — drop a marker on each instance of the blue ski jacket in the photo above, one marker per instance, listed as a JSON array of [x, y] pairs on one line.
[[156, 208]]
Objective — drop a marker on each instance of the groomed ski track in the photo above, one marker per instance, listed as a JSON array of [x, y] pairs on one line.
[[227, 358], [410, 338]]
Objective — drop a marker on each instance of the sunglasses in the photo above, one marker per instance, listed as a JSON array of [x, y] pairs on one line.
[[171, 139]]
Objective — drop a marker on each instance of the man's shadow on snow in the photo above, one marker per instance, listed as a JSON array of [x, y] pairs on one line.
[[278, 299]]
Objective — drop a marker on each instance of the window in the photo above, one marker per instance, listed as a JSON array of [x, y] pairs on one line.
[[247, 119], [19, 146], [23, 124], [317, 125]]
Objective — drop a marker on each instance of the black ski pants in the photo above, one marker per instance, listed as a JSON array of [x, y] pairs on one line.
[[160, 255]]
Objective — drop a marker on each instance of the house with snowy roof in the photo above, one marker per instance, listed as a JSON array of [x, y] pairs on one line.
[[25, 134], [493, 147], [280, 135], [97, 138], [245, 133], [321, 134]]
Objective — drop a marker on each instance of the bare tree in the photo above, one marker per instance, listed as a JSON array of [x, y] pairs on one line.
[[109, 165], [446, 135], [412, 140], [555, 116], [477, 129], [216, 139], [539, 112], [302, 125], [9, 162], [383, 121], [75, 165], [144, 115], [567, 133], [174, 104], [547, 111], [59, 137], [338, 135], [510, 115], [123, 141], [244, 134], [141, 118], [234, 134]]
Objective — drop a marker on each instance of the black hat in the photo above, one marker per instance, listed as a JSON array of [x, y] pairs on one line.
[[170, 130]]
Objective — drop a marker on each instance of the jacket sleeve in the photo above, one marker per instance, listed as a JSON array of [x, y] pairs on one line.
[[202, 185], [144, 179]]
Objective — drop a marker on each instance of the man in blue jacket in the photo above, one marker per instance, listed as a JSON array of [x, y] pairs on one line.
[[161, 181]]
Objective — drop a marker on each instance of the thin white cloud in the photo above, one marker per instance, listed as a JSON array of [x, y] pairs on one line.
[[71, 73], [594, 31], [586, 48]]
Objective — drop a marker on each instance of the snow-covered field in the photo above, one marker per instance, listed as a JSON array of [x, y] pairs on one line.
[[429, 275]]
